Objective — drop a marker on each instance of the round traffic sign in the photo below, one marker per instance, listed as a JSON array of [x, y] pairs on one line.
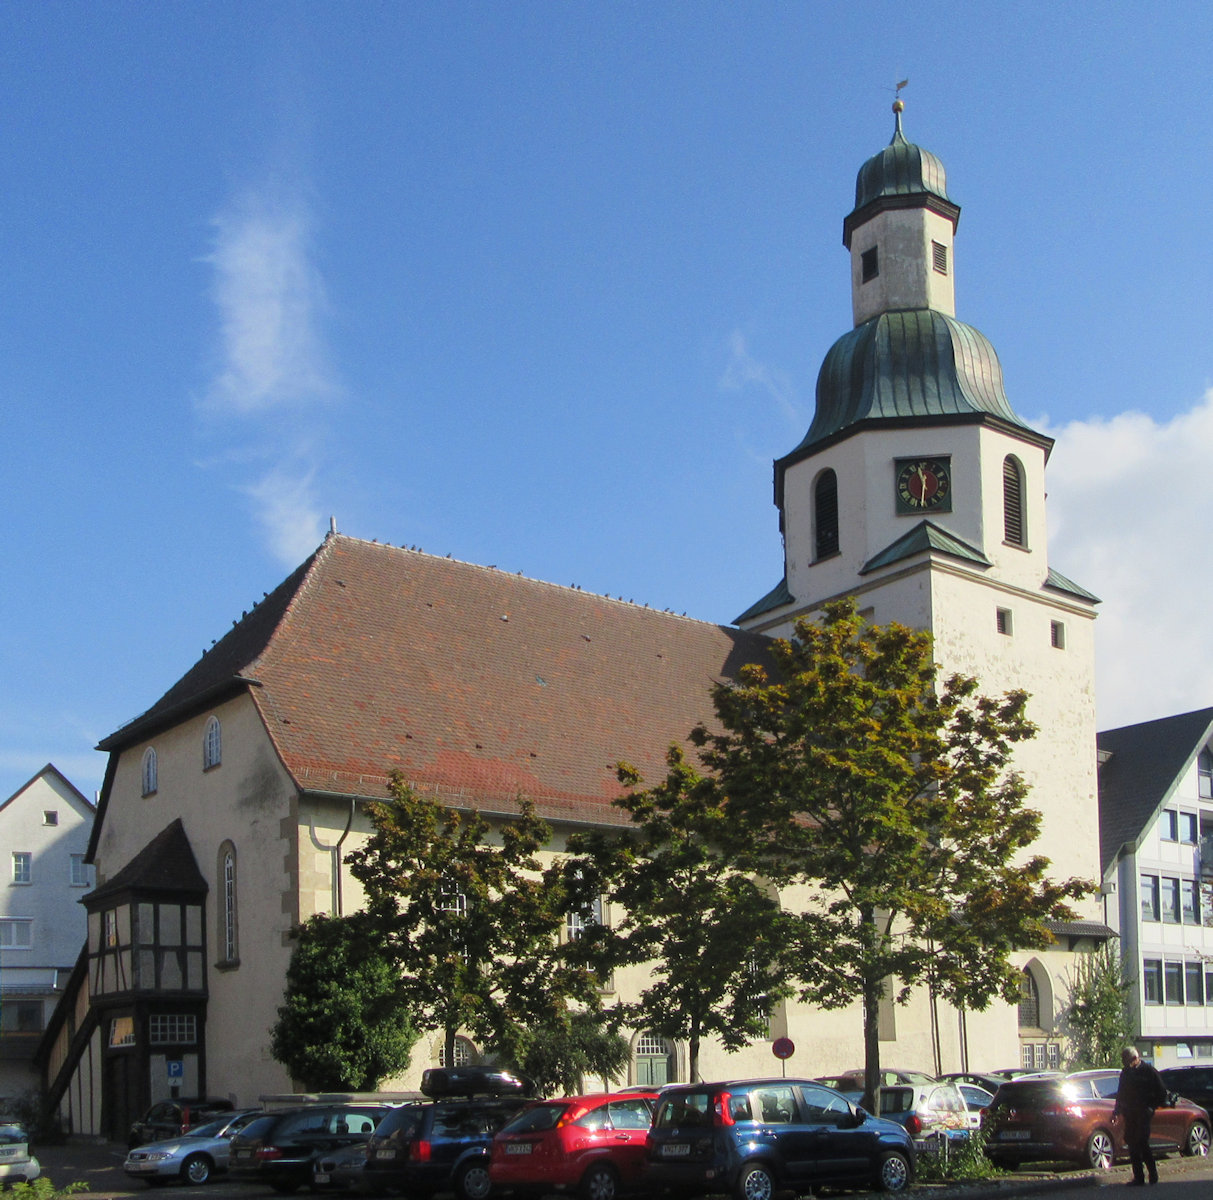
[[783, 1047]]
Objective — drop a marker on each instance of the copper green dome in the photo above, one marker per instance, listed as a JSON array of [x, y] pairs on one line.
[[901, 175], [907, 364]]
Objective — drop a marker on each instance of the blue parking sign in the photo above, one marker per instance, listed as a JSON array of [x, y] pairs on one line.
[[176, 1068]]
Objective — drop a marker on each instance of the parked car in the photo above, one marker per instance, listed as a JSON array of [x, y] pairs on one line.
[[976, 1099], [443, 1144], [930, 1111], [990, 1081], [280, 1148], [854, 1081], [193, 1157], [593, 1144], [341, 1170], [1035, 1119], [1193, 1083], [171, 1118], [758, 1136], [17, 1164]]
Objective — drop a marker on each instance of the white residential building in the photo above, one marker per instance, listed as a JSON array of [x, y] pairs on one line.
[[44, 832]]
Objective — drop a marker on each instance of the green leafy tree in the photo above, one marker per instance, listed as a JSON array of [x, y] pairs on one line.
[[888, 795], [1099, 1018], [469, 919], [558, 1054], [712, 936], [344, 1023]]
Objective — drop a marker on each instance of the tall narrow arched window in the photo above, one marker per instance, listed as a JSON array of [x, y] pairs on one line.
[[212, 744], [825, 515], [151, 778], [1029, 1001], [1014, 523], [229, 929]]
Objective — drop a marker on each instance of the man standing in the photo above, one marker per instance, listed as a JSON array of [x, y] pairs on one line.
[[1139, 1092]]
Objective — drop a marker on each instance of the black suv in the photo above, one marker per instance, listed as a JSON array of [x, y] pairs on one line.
[[1193, 1083], [279, 1148], [172, 1118], [443, 1145]]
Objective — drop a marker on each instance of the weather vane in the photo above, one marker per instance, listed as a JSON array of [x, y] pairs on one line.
[[898, 103]]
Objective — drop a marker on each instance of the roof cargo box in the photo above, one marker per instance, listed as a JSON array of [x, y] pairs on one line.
[[441, 1082]]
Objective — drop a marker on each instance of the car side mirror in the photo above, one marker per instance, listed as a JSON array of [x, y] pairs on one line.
[[859, 1117]]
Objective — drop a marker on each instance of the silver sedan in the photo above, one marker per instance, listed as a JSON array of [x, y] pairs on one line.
[[193, 1157]]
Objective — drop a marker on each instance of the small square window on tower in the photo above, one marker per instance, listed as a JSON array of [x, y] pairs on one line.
[[869, 264], [939, 257], [50, 817], [1002, 617], [1057, 634]]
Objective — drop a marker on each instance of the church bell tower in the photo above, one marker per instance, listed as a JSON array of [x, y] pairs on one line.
[[921, 492]]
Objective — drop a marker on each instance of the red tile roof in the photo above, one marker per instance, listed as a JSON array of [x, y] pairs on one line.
[[476, 683]]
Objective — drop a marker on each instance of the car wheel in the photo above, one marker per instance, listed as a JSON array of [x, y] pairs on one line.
[[1101, 1150], [894, 1175], [472, 1182], [196, 1169], [756, 1183], [1196, 1144], [599, 1183]]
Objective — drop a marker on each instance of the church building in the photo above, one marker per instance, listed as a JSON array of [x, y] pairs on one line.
[[230, 805]]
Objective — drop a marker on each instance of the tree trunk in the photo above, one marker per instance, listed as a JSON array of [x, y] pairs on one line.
[[693, 1048], [872, 993]]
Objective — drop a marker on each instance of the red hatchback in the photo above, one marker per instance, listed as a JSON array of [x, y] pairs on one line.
[[594, 1145]]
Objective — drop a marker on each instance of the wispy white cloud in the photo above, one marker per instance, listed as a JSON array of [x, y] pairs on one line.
[[269, 297], [743, 372], [1130, 506], [273, 367]]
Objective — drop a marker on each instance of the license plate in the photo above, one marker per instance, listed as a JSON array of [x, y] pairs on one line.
[[519, 1147], [1015, 1135], [9, 1153], [388, 1152], [321, 1177], [676, 1150]]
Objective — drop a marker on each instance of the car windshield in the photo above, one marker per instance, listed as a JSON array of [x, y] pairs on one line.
[[537, 1119]]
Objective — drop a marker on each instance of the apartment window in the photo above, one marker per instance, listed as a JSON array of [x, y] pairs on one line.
[[16, 933], [1054, 1057], [464, 1056], [150, 773], [1189, 828], [578, 920], [23, 866], [1013, 522], [78, 872], [1149, 898], [1002, 620], [1026, 1057], [1168, 825], [1057, 635], [50, 817], [1189, 901], [1170, 901], [110, 921], [452, 900], [122, 1031], [1203, 1049], [939, 257], [21, 1016], [1194, 978], [825, 515], [1173, 982], [869, 264], [172, 1029], [212, 745], [1209, 984], [1204, 774]]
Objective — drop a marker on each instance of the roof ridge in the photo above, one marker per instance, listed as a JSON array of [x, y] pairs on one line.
[[547, 583]]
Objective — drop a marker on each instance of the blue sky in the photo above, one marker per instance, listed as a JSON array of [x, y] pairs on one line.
[[546, 285]]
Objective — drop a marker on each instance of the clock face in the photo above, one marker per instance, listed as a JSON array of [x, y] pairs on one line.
[[923, 485]]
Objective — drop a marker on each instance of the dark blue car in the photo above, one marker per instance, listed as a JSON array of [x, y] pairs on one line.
[[755, 1137]]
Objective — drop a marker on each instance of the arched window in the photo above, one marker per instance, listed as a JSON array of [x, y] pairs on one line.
[[1013, 522], [465, 1053], [228, 929], [1029, 1001], [825, 515], [212, 745], [150, 774], [654, 1060]]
